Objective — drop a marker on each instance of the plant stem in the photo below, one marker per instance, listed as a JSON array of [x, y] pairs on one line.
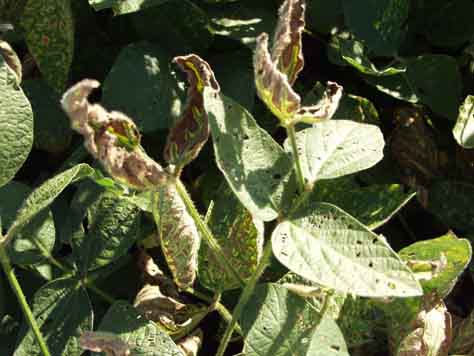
[[244, 297], [290, 131], [15, 285], [206, 234]]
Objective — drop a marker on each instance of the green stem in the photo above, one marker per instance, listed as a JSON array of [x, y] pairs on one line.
[[244, 298], [206, 234], [15, 285], [290, 131]]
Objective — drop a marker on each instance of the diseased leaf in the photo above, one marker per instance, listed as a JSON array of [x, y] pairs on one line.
[[49, 34], [278, 322], [63, 311], [101, 341], [463, 131], [322, 243], [254, 165], [16, 124], [438, 263], [145, 70], [338, 147], [379, 23], [241, 238], [142, 336]]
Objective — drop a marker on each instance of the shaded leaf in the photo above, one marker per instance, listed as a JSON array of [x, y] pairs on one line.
[[278, 322], [255, 166], [438, 263], [16, 124], [61, 328], [396, 86], [463, 131], [49, 34], [322, 16], [142, 336], [322, 243]]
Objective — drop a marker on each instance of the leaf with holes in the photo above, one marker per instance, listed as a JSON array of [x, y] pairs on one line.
[[463, 131], [49, 34], [439, 262], [16, 124], [279, 323], [336, 148], [61, 328], [142, 336], [255, 166], [324, 244]]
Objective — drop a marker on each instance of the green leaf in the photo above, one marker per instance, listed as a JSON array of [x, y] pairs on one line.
[[46, 193], [451, 202], [336, 148], [49, 34], [373, 206], [52, 131], [277, 322], [438, 262], [122, 7], [241, 239], [63, 311], [379, 23], [322, 243], [16, 124], [255, 166], [145, 71], [463, 131], [436, 80], [11, 9], [143, 337], [35, 240], [396, 85]]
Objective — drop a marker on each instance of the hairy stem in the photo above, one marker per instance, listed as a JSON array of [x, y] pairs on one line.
[[290, 131], [206, 233], [15, 285], [244, 298]]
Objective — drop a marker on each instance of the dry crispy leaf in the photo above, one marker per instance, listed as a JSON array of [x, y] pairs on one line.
[[112, 138], [324, 109], [191, 344], [101, 341], [191, 131]]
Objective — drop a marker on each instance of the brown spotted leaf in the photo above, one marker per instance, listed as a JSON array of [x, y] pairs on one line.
[[112, 138], [191, 131], [287, 47], [49, 34], [178, 234]]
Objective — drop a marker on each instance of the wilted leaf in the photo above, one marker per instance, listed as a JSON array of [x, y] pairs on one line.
[[322, 243], [99, 341], [52, 308], [49, 34], [255, 166], [16, 124], [463, 131], [278, 322], [438, 263], [191, 344]]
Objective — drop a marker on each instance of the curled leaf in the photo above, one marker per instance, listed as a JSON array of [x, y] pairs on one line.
[[324, 109], [191, 131], [11, 59], [112, 138], [178, 234], [106, 342], [287, 47], [191, 344]]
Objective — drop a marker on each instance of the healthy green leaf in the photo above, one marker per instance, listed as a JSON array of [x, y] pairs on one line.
[[241, 239], [278, 322], [156, 99], [463, 131], [49, 34], [379, 23], [255, 166], [336, 148], [438, 263], [35, 240], [45, 194], [396, 85], [63, 311], [142, 336], [16, 124], [324, 244]]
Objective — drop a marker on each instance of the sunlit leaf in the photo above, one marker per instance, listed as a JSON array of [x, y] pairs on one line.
[[463, 131]]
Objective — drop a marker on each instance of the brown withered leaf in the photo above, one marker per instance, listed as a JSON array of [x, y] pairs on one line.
[[191, 131], [106, 342], [287, 50], [112, 138], [324, 109], [191, 344]]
